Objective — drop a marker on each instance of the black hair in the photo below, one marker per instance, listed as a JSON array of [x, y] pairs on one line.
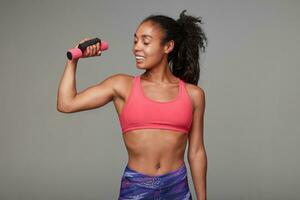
[[189, 38]]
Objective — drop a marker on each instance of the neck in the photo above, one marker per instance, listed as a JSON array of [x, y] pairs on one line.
[[160, 74]]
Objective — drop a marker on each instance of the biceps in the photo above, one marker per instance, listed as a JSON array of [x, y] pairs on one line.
[[92, 97]]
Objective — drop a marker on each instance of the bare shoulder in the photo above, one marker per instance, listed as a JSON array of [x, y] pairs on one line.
[[119, 79], [125, 77], [118, 76], [121, 83], [197, 95]]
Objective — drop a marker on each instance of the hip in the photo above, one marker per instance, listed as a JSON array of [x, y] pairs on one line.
[[170, 185]]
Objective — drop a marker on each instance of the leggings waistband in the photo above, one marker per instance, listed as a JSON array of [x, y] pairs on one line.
[[155, 182]]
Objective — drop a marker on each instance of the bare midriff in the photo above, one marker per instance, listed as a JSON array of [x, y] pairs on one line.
[[155, 151]]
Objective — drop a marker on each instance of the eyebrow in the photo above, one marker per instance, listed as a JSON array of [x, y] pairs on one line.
[[143, 36]]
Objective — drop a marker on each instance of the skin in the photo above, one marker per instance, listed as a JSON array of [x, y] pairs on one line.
[[150, 151], [153, 151]]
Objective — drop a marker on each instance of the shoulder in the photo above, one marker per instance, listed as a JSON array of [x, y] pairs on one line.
[[197, 95], [120, 78], [123, 80], [121, 83]]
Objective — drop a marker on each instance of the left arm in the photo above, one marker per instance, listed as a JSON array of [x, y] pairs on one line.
[[196, 151]]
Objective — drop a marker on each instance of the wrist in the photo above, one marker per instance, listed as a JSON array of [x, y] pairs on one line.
[[72, 62]]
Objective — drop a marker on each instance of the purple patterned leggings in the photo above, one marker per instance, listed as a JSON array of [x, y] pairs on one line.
[[170, 186]]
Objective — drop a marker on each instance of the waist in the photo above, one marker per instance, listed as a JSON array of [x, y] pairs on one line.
[[166, 179], [150, 167]]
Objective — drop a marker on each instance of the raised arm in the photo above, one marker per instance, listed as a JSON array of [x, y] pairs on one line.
[[69, 101]]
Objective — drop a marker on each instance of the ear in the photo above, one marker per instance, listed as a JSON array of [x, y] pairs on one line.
[[169, 46]]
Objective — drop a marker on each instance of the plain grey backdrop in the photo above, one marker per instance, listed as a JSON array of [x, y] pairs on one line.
[[250, 75]]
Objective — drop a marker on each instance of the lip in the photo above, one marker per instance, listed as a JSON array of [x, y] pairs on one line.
[[138, 61]]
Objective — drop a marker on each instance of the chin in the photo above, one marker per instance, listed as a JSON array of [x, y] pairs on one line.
[[140, 66]]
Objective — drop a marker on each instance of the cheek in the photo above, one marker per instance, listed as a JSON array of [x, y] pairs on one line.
[[154, 53], [154, 59]]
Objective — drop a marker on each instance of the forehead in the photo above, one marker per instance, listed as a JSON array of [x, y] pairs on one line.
[[148, 30]]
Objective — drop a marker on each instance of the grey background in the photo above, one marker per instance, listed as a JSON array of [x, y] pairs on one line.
[[249, 75]]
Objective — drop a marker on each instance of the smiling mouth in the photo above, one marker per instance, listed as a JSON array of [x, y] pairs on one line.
[[139, 59]]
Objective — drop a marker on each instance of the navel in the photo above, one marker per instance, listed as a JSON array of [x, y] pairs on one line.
[[157, 165]]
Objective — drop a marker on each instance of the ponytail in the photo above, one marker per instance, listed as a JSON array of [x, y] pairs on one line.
[[189, 39]]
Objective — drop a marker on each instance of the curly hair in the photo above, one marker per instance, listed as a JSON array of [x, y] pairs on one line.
[[189, 39]]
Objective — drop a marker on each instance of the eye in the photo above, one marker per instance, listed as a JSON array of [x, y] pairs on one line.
[[145, 43]]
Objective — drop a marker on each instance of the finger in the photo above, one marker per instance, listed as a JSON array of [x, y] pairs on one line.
[[86, 39], [90, 51], [81, 41], [97, 47], [93, 50], [87, 50]]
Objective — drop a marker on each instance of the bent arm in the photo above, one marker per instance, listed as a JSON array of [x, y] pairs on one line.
[[69, 101], [67, 87]]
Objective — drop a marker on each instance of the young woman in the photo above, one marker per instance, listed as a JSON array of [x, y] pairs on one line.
[[159, 110]]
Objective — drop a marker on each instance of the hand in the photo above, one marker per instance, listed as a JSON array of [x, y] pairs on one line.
[[91, 51]]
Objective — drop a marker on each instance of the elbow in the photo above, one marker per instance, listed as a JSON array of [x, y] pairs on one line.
[[59, 109], [196, 156], [62, 108]]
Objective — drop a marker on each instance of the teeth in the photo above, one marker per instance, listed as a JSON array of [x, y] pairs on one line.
[[139, 57]]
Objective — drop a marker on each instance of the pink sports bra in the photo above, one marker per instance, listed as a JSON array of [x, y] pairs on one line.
[[140, 112]]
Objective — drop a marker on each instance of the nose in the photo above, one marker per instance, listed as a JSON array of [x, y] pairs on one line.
[[136, 47]]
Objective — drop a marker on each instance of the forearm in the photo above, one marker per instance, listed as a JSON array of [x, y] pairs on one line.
[[67, 87], [198, 166]]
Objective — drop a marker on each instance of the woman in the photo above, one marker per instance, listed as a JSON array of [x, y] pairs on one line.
[[159, 110]]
